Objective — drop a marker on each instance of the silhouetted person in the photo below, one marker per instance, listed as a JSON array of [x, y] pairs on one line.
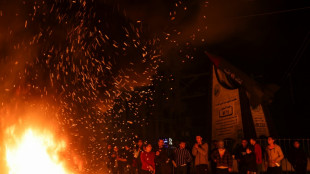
[[240, 153], [274, 156], [250, 160], [212, 163], [298, 158], [136, 164], [162, 159], [258, 154], [120, 161], [223, 159], [200, 151]]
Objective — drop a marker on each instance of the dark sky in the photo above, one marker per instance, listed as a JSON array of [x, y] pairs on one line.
[[272, 45], [269, 40]]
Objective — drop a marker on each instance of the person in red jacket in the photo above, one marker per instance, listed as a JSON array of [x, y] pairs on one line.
[[147, 159], [258, 154]]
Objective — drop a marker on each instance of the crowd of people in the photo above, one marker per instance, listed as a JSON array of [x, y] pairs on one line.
[[144, 159]]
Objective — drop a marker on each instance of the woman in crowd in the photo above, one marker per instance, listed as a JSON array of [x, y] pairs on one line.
[[250, 160], [147, 159]]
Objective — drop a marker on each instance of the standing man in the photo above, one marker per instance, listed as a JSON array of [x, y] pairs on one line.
[[258, 154], [222, 158], [120, 161], [212, 163], [298, 158], [162, 159], [181, 158], [274, 156], [240, 156], [136, 165], [200, 151]]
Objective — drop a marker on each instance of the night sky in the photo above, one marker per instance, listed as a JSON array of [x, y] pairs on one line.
[[267, 40]]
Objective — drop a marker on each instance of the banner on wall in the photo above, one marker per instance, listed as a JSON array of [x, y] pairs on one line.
[[226, 111], [260, 124]]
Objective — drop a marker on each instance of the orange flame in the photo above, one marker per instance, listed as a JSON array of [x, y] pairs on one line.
[[34, 152]]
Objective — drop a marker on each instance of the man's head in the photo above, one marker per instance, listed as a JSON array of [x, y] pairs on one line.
[[140, 143], [199, 139], [148, 148], [296, 144], [215, 143], [182, 145], [220, 144], [253, 141], [160, 143], [244, 143], [270, 140]]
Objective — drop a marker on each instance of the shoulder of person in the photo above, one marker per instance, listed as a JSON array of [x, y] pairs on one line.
[[205, 144], [277, 146]]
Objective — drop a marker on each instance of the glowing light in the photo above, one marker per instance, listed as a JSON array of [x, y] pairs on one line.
[[34, 152]]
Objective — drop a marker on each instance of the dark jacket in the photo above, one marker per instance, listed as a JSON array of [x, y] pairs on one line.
[[163, 158], [224, 161], [250, 161], [240, 153], [298, 158]]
